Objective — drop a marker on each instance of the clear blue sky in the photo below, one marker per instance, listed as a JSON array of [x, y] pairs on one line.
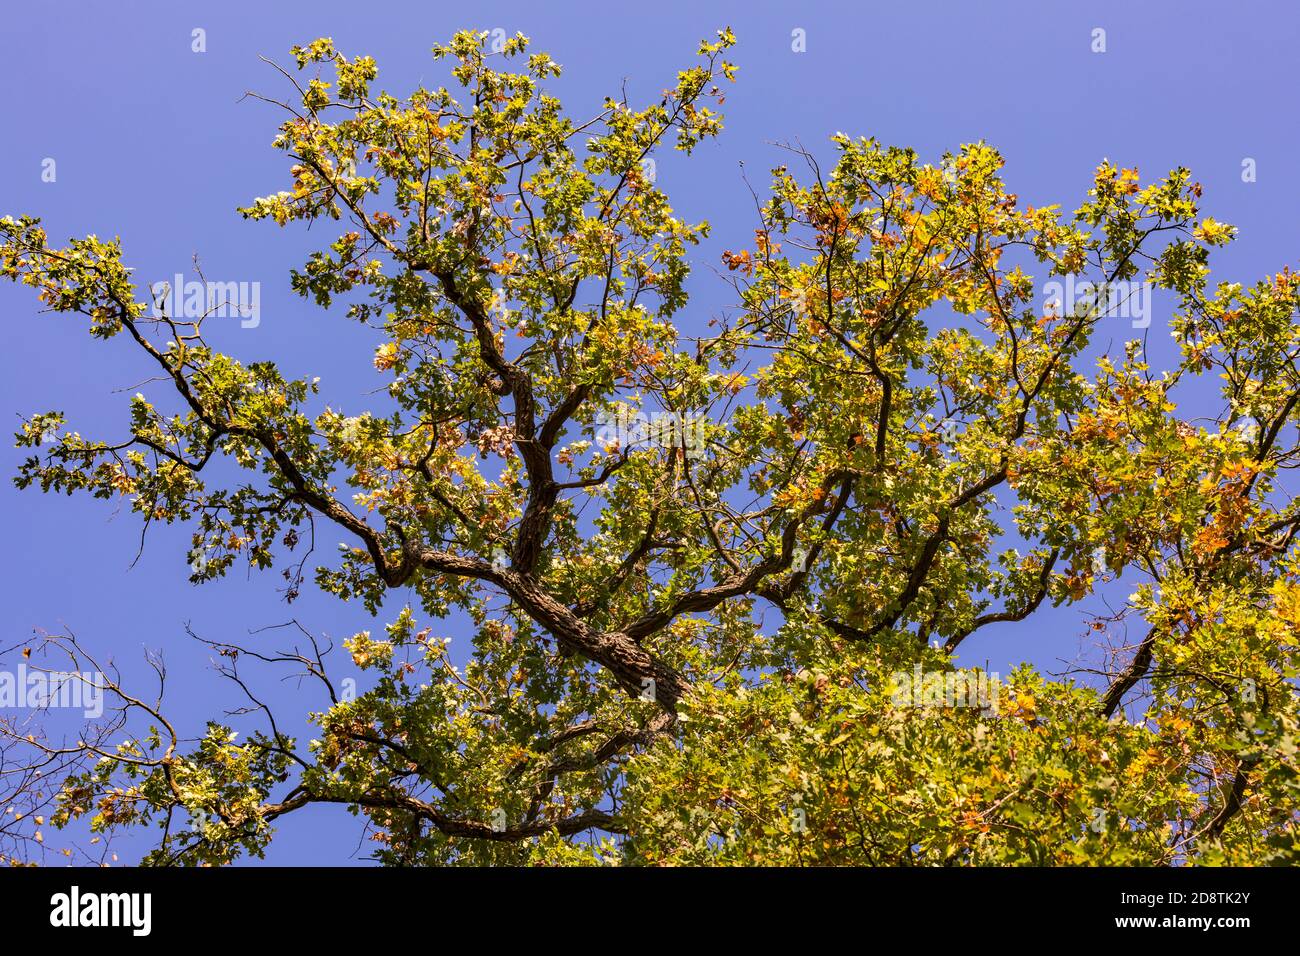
[[153, 144]]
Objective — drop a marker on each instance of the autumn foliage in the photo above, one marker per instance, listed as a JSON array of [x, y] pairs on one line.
[[692, 656]]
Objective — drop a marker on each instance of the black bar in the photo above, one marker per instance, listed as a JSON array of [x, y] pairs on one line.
[[939, 908]]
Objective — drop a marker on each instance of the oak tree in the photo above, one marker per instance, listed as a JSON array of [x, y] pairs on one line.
[[688, 639]]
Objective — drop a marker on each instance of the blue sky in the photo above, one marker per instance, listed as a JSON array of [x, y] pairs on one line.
[[152, 142]]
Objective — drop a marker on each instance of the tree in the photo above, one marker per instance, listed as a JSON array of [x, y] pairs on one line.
[[715, 583]]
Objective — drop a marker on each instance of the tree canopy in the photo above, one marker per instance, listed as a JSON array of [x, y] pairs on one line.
[[688, 640]]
